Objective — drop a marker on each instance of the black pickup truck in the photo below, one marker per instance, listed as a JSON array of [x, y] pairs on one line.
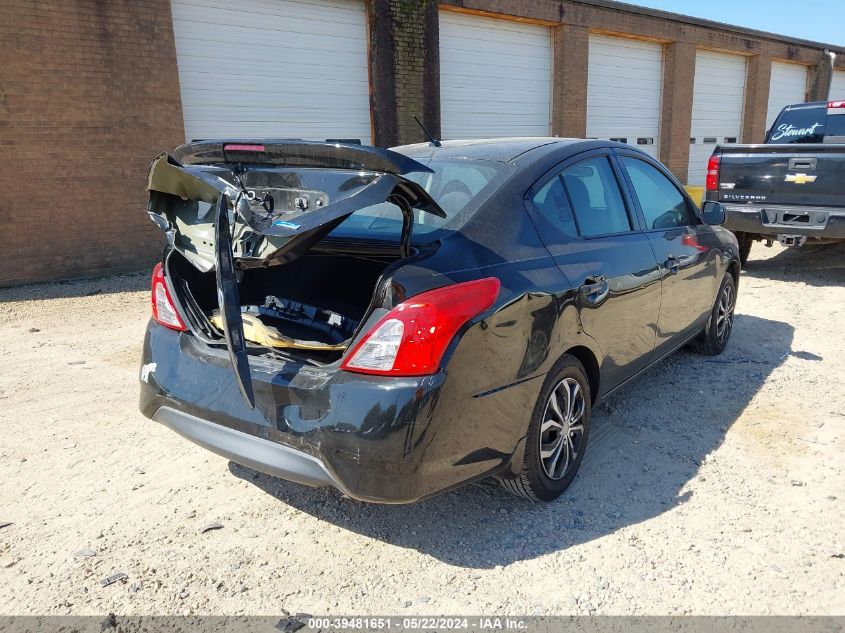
[[790, 189]]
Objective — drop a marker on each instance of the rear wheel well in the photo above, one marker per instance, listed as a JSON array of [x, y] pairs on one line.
[[591, 368], [733, 269]]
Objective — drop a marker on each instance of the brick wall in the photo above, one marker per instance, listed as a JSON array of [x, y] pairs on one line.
[[569, 81], [417, 40], [89, 93], [676, 107], [404, 69]]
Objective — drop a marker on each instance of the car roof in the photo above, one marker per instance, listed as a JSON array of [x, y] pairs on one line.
[[810, 105], [499, 149]]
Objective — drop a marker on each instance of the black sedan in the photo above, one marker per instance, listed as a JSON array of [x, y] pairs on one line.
[[395, 323]]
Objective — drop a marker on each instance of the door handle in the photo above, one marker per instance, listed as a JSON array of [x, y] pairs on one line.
[[671, 264], [594, 290], [802, 163]]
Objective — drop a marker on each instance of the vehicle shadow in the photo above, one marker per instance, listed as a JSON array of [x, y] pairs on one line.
[[646, 445], [88, 287], [816, 265]]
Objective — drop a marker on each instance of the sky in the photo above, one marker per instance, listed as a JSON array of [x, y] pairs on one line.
[[817, 20]]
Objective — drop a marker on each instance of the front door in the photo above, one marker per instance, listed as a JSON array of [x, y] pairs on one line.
[[584, 222], [685, 249]]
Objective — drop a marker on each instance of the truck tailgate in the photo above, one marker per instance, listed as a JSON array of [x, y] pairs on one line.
[[793, 174]]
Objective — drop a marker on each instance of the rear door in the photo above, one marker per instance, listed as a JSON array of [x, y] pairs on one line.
[[624, 88], [595, 240], [717, 103], [837, 85], [686, 250], [281, 68], [495, 77], [787, 85]]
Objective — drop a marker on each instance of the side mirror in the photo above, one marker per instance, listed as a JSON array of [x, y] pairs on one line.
[[713, 213]]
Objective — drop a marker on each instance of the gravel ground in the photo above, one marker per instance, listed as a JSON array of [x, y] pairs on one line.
[[710, 486]]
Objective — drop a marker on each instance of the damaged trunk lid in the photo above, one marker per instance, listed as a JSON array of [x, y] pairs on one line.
[[232, 206]]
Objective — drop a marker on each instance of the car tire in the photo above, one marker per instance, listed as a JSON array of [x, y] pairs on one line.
[[713, 340], [745, 241], [542, 477]]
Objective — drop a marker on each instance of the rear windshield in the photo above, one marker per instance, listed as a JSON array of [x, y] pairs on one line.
[[806, 125], [459, 186], [835, 124]]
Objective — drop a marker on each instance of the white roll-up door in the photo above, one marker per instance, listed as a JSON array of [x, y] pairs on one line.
[[788, 85], [837, 86], [717, 103], [273, 68], [625, 79], [495, 77]]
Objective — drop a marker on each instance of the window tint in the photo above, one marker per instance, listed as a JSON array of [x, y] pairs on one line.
[[595, 197], [805, 125], [550, 201], [835, 125], [466, 176], [664, 207]]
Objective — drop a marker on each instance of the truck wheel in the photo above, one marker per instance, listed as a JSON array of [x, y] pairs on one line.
[[745, 242], [557, 434], [713, 340]]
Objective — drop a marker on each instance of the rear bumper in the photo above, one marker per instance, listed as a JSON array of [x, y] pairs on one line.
[[262, 455], [761, 219], [378, 439]]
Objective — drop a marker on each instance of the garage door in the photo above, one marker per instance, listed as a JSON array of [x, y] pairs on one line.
[[495, 77], [718, 98], [837, 86], [273, 68], [788, 85], [624, 82]]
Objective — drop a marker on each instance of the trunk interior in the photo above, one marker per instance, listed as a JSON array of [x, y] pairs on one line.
[[311, 306]]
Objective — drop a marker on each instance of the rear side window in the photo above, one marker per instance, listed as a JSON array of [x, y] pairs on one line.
[[550, 201], [594, 195], [663, 206], [806, 125]]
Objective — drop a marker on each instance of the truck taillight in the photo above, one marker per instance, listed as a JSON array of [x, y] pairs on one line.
[[411, 339], [712, 181], [164, 310]]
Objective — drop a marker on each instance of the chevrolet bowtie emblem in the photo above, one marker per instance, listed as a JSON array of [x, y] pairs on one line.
[[800, 179]]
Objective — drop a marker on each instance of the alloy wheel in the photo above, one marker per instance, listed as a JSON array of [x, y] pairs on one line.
[[562, 429], [725, 314]]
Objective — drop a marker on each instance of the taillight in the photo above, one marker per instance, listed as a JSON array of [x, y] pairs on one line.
[[411, 339], [164, 310], [835, 105], [712, 182]]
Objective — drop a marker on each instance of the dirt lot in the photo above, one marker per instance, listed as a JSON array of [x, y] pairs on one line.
[[710, 486]]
